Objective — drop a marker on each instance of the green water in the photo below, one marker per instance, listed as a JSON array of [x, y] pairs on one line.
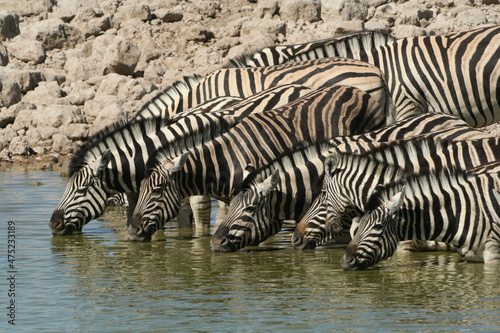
[[99, 281]]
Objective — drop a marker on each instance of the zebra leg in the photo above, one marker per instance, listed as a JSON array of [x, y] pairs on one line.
[[185, 216], [424, 246], [221, 212], [132, 202], [202, 207]]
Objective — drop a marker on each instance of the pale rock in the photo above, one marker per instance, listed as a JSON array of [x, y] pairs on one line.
[[75, 131], [8, 116], [94, 107], [45, 93], [133, 90], [109, 115], [198, 34], [122, 56], [344, 27], [168, 15], [353, 10], [267, 7], [307, 10], [19, 146], [28, 7], [471, 18], [25, 79], [111, 83], [27, 50], [134, 11], [23, 120], [80, 92], [62, 144], [53, 33], [10, 93], [403, 31], [4, 55], [56, 115], [94, 26], [7, 134], [207, 8], [258, 27], [9, 25], [380, 25], [155, 70]]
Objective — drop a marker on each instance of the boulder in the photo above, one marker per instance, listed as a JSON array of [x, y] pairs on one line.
[[295, 10], [19, 146], [10, 93], [27, 50], [57, 115], [168, 15], [8, 116], [134, 11], [108, 116], [45, 93], [122, 56], [26, 79], [54, 34], [94, 107], [258, 27], [9, 25], [62, 145]]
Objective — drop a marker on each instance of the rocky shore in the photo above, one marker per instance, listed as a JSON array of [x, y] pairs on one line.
[[69, 68]]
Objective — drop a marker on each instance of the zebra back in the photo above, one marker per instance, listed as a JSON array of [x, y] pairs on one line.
[[345, 46], [244, 82]]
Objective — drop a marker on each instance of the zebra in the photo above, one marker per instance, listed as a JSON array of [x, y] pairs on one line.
[[461, 208], [216, 168], [332, 211], [244, 82], [114, 160], [294, 180], [454, 74]]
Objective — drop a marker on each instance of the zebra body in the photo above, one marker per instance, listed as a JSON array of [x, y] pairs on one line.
[[245, 82], [461, 208], [114, 160], [258, 210], [466, 148], [216, 168], [456, 74]]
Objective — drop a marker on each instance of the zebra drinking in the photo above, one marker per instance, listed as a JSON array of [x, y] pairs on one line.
[[292, 181], [457, 207], [114, 160], [216, 168], [337, 205]]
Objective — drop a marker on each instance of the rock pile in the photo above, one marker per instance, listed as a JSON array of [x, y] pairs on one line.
[[69, 68]]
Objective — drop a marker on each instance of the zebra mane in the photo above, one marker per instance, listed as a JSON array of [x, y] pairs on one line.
[[306, 152], [97, 144], [416, 183], [195, 138], [400, 153], [174, 91]]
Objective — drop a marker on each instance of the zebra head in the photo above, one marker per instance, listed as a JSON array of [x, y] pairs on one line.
[[84, 198], [159, 199], [310, 231], [376, 236], [248, 220]]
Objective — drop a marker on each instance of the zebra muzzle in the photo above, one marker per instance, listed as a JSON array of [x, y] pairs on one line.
[[349, 261]]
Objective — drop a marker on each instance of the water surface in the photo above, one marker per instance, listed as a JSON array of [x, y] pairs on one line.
[[98, 281]]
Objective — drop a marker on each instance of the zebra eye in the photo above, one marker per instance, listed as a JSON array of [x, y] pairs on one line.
[[378, 226], [158, 189], [249, 209]]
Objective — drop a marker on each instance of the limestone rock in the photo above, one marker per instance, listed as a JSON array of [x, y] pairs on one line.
[[19, 146], [54, 34], [4, 55], [9, 25], [307, 10], [122, 56], [10, 93], [28, 50]]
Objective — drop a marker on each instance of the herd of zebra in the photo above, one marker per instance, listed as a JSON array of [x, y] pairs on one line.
[[359, 134]]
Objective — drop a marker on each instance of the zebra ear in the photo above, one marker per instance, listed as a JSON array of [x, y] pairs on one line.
[[396, 201], [102, 162], [331, 163], [270, 183], [177, 163]]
